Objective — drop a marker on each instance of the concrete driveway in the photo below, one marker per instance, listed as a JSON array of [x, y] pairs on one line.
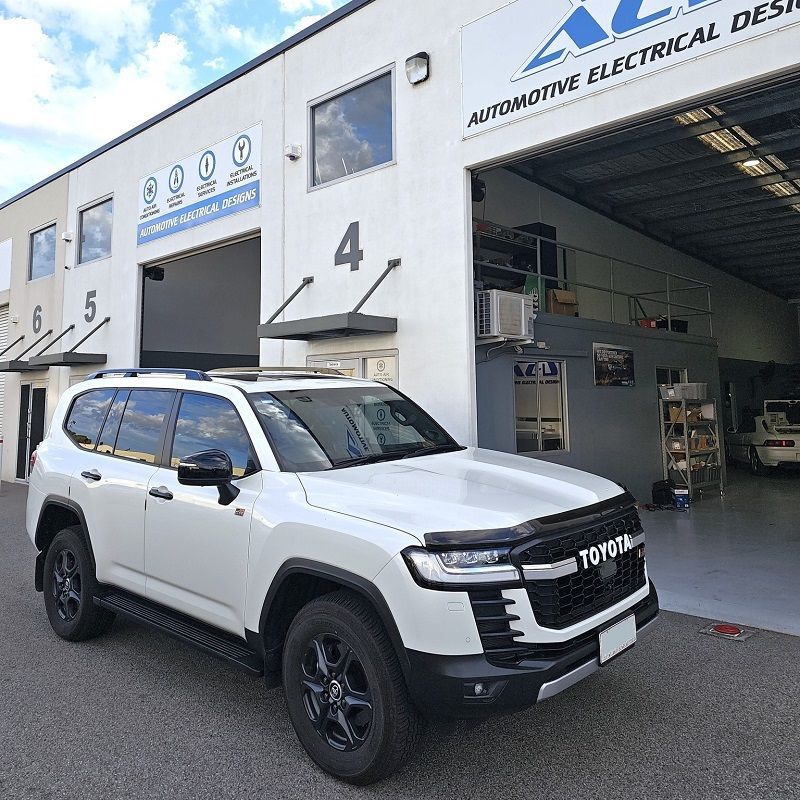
[[138, 715]]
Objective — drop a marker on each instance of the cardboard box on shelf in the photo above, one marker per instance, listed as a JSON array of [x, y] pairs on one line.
[[560, 301], [676, 414]]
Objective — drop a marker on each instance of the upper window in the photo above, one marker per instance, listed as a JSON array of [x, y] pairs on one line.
[[95, 232], [353, 131], [540, 408], [87, 415], [142, 424], [211, 423], [43, 253]]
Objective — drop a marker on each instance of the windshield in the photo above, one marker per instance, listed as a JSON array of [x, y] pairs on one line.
[[327, 428]]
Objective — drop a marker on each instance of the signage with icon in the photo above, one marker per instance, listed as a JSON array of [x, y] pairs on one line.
[[214, 182]]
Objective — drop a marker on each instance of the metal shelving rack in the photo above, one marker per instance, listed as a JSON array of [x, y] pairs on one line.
[[690, 445]]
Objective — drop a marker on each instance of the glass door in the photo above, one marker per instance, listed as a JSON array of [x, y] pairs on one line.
[[32, 411]]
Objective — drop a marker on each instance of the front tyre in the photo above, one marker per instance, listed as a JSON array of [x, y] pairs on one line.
[[70, 587], [345, 690]]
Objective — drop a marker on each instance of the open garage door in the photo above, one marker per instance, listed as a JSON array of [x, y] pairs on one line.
[[202, 311], [653, 275]]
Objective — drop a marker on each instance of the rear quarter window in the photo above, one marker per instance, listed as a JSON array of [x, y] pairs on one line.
[[86, 416]]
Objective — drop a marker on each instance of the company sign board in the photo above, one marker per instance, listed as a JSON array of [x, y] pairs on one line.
[[557, 52], [219, 180]]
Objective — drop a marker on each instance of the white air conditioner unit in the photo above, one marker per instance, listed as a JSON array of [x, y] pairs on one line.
[[505, 314]]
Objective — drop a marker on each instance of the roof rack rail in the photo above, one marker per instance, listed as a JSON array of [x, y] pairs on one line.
[[276, 370], [135, 372]]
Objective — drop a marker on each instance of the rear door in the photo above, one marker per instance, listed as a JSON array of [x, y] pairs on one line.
[[196, 550], [112, 474]]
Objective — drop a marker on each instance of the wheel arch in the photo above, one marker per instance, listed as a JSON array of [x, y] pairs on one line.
[[297, 582], [56, 514]]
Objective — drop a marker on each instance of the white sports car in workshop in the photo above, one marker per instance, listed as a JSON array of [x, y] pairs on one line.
[[767, 441]]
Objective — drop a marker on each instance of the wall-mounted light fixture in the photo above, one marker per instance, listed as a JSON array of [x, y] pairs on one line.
[[418, 68]]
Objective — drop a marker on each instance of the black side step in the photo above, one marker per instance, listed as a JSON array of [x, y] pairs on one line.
[[216, 642]]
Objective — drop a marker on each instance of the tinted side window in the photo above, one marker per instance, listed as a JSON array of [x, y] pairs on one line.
[[86, 417], [211, 423], [108, 435], [142, 423]]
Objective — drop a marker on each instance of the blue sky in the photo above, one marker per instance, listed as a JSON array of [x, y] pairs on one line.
[[77, 73]]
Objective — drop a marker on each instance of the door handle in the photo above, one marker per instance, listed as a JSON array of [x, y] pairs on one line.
[[91, 475], [162, 493]]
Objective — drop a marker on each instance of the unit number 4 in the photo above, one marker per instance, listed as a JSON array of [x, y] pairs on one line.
[[349, 251]]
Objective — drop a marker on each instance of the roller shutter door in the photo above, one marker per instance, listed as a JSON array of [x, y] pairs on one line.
[[3, 345]]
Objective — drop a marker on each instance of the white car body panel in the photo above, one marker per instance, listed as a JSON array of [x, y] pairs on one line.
[[472, 489]]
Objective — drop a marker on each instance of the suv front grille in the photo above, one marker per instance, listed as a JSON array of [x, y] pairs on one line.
[[561, 602], [564, 601], [565, 544]]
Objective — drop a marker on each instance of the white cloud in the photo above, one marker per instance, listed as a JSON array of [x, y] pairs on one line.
[[303, 22], [298, 6], [63, 105], [209, 22], [104, 23], [217, 63]]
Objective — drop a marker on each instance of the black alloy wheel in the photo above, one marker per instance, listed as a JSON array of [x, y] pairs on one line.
[[336, 693], [70, 587], [66, 584], [345, 690]]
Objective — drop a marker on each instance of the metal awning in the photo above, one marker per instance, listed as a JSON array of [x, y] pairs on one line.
[[17, 364], [334, 326], [69, 358], [330, 326]]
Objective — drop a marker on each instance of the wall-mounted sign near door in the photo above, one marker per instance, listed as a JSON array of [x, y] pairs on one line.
[[214, 182], [383, 369]]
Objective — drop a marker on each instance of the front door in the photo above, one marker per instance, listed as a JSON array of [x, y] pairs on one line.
[[32, 410], [196, 550]]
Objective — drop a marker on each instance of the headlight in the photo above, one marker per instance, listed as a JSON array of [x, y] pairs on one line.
[[452, 569]]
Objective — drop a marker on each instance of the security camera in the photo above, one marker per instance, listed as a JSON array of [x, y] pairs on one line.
[[67, 236], [293, 152]]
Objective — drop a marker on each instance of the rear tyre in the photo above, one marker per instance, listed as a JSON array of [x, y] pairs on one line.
[[70, 587], [345, 691], [756, 464]]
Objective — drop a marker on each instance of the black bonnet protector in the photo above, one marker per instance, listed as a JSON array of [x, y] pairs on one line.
[[503, 537]]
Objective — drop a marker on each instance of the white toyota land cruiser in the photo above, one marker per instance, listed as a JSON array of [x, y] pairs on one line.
[[327, 533]]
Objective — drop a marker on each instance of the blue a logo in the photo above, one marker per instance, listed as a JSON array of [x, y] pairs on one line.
[[592, 24]]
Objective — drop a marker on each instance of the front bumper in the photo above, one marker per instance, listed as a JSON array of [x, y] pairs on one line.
[[443, 686]]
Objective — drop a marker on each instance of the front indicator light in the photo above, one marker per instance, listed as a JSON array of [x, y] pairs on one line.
[[453, 569]]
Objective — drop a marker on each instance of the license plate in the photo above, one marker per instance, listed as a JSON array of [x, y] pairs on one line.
[[617, 639]]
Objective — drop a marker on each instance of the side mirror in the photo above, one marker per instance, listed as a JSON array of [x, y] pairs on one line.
[[209, 468]]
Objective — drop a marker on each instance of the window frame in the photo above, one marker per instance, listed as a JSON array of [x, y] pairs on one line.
[[114, 390], [81, 211], [562, 363], [390, 70], [29, 276], [169, 443], [159, 456]]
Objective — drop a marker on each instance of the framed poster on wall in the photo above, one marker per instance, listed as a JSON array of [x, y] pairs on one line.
[[613, 365]]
